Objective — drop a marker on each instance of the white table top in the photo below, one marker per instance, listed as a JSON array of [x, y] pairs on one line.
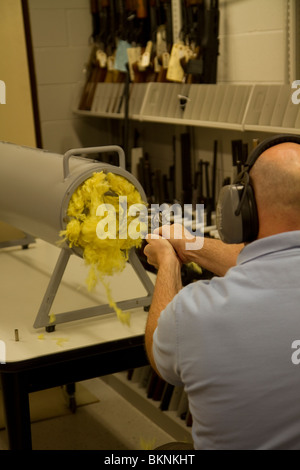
[[24, 276]]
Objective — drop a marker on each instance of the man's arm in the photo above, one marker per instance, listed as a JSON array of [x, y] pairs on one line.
[[168, 283], [214, 255]]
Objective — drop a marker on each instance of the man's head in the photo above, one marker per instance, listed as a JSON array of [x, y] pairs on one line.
[[264, 200], [275, 178]]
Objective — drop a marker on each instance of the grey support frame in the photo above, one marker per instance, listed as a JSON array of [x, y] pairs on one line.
[[43, 317]]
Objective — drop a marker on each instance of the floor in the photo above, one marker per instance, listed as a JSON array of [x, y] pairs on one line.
[[110, 424]]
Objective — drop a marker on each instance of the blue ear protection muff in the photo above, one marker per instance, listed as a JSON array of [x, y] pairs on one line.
[[236, 213]]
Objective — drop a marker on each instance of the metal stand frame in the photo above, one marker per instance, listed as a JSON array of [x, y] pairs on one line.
[[43, 319]]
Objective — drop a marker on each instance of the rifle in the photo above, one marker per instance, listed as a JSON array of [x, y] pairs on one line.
[[143, 32], [121, 34], [91, 69], [214, 175], [166, 30], [169, 25], [194, 33], [97, 62], [145, 39], [114, 25], [91, 81], [193, 16], [210, 44], [237, 154], [203, 69], [155, 22], [94, 7], [186, 168]]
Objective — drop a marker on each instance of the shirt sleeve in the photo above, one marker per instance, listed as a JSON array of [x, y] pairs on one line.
[[165, 345]]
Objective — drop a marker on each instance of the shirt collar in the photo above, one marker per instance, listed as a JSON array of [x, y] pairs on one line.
[[267, 245]]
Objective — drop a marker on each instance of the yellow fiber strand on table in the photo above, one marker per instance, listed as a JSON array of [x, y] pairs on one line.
[[105, 256]]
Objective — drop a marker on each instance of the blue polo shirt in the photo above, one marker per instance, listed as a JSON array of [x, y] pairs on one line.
[[228, 341]]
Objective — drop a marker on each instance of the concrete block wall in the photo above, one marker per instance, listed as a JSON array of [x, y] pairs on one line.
[[253, 41], [253, 49], [60, 34]]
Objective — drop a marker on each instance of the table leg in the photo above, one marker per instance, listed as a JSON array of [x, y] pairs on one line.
[[71, 394], [16, 411]]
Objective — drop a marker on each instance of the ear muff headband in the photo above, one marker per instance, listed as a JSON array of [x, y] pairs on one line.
[[237, 218], [268, 143]]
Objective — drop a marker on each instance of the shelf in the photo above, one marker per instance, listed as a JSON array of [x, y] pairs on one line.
[[261, 108], [271, 110]]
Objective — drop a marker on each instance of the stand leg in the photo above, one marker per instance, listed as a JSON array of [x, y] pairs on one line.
[[42, 318]]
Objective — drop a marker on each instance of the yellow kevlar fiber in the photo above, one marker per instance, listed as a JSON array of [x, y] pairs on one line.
[[105, 256]]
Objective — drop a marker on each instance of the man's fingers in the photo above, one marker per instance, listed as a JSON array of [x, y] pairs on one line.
[[148, 253], [152, 236], [175, 231], [157, 231]]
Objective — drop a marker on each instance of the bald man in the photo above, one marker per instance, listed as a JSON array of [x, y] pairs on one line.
[[229, 341]]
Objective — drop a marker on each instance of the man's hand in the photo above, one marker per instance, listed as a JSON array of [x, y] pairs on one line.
[[210, 254], [178, 236], [158, 251]]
